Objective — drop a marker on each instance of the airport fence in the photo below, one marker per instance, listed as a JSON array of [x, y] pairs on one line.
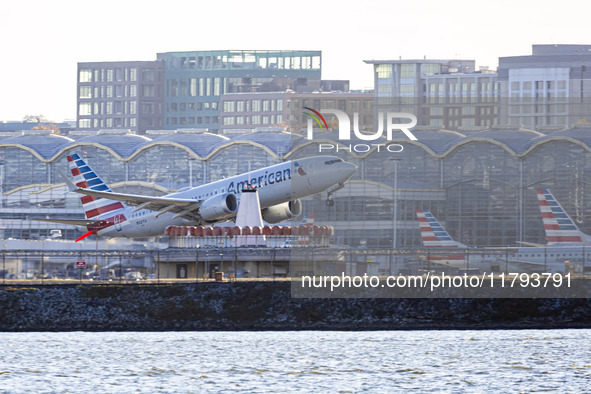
[[239, 263]]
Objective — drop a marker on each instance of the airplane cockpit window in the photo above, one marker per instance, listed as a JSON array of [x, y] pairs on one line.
[[330, 162]]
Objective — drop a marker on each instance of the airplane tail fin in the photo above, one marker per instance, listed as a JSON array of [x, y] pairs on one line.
[[309, 221], [560, 229], [85, 177], [432, 232]]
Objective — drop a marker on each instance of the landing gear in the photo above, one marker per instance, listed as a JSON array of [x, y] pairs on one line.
[[329, 201]]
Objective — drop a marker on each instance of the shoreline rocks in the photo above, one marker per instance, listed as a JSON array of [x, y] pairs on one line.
[[265, 306]]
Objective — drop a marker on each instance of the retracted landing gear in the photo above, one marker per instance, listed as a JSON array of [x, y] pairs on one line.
[[329, 201]]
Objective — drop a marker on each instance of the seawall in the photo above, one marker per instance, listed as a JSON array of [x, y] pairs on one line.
[[264, 306]]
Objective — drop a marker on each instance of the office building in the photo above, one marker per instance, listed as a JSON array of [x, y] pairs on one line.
[[248, 112], [120, 95], [550, 87], [196, 80], [443, 93]]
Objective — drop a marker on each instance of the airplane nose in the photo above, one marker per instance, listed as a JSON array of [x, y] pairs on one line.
[[347, 170]]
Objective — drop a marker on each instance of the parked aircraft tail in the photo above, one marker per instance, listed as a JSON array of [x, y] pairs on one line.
[[432, 232], [309, 221], [560, 229]]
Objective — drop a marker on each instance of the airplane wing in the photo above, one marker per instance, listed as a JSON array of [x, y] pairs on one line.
[[73, 222], [183, 207]]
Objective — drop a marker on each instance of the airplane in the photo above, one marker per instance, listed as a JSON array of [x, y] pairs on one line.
[[280, 186], [566, 243]]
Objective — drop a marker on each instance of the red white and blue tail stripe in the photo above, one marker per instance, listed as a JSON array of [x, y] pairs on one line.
[[560, 228], [433, 234], [309, 221], [86, 178]]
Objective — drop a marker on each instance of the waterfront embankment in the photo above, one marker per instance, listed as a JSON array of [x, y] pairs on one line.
[[264, 306]]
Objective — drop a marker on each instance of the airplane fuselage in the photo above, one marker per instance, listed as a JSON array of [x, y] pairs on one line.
[[538, 259]]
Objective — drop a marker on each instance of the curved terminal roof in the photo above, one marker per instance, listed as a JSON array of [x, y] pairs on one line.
[[279, 143], [516, 139], [440, 142], [43, 144], [122, 144], [200, 143], [581, 133]]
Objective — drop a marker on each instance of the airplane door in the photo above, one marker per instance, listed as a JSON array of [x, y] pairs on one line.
[[117, 223]]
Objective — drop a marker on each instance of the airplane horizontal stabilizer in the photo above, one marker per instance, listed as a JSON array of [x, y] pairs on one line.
[[69, 183], [73, 222]]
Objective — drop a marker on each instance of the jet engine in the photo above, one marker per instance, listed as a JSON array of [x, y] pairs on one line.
[[280, 212], [218, 207]]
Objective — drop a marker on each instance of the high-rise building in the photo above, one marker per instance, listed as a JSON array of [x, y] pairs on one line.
[[195, 80], [550, 87], [120, 95], [445, 93]]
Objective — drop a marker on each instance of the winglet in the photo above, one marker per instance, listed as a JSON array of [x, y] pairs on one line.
[[69, 183]]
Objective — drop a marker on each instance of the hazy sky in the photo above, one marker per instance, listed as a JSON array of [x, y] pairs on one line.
[[41, 41]]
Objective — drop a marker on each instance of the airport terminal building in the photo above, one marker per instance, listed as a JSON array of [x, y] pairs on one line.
[[480, 182]]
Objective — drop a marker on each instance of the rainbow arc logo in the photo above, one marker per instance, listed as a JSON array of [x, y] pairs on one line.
[[316, 115]]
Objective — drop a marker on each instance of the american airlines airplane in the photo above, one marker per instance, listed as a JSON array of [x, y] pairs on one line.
[[566, 243], [127, 215]]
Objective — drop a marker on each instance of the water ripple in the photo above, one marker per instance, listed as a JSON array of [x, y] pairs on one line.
[[344, 362]]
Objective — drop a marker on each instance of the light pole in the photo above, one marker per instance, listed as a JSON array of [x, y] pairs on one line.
[[393, 259], [395, 202], [2, 182]]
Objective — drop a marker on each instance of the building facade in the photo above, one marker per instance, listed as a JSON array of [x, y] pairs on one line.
[[247, 112], [120, 95], [196, 80], [550, 87], [442, 93]]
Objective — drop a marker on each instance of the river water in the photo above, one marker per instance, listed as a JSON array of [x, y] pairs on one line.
[[272, 361]]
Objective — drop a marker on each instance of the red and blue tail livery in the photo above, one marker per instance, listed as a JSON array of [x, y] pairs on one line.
[[433, 234], [86, 178], [560, 229]]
